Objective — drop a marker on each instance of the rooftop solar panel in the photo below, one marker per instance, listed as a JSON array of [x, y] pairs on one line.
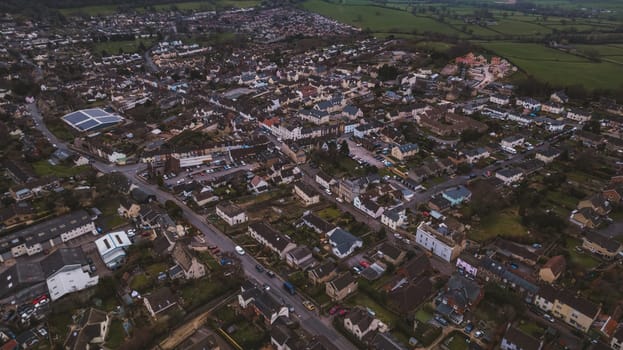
[[89, 124], [111, 119], [76, 117], [96, 112]]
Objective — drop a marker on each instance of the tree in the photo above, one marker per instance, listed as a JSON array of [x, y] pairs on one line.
[[593, 126], [387, 72], [344, 148], [173, 209]]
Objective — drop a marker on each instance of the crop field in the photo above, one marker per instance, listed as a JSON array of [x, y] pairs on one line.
[[104, 10]]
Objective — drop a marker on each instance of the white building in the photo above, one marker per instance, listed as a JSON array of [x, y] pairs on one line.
[[111, 248], [579, 115], [509, 175], [512, 141], [439, 241], [231, 214], [501, 100], [67, 271]]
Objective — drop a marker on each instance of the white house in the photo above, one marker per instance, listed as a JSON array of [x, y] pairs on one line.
[[528, 103], [474, 155], [394, 217], [264, 304], [271, 238], [343, 243], [368, 206], [509, 175], [515, 339], [579, 115], [306, 193], [324, 180], [439, 241], [231, 213], [359, 322], [498, 99], [512, 141], [67, 271]]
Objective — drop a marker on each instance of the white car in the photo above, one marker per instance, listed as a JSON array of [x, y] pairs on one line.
[[239, 250]]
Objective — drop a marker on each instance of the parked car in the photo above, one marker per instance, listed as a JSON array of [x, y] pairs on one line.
[[259, 268], [549, 318], [308, 305], [270, 273], [469, 328], [334, 309], [266, 287], [364, 263], [342, 312]]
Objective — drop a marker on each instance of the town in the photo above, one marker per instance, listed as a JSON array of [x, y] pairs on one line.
[[269, 178]]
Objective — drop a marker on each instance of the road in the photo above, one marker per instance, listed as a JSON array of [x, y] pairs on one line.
[[308, 320]]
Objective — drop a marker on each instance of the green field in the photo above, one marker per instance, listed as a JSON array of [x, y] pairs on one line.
[[557, 67], [127, 46], [378, 19], [504, 224], [104, 10]]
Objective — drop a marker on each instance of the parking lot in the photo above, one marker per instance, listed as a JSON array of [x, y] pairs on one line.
[[204, 173], [362, 155]]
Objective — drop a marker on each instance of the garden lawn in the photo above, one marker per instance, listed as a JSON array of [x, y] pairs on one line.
[[44, 168], [582, 260], [382, 313], [506, 223], [116, 334]]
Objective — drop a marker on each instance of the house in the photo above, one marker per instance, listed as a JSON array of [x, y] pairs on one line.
[[528, 103], [324, 180], [300, 257], [559, 97], [262, 304], [391, 254], [586, 218], [512, 141], [343, 243], [500, 99], [231, 213], [204, 197], [565, 305], [89, 332], [190, 266], [22, 280], [159, 301], [306, 193], [440, 240], [16, 214], [67, 271], [457, 195], [579, 115], [474, 155], [368, 206], [394, 217], [509, 175], [34, 239], [341, 287], [599, 244], [616, 342], [258, 185], [405, 151], [552, 107], [271, 238], [359, 322], [598, 203], [613, 193], [322, 273], [128, 209], [317, 223], [349, 189], [439, 203], [459, 296], [385, 341], [407, 296], [547, 155], [552, 269], [111, 248], [515, 339]]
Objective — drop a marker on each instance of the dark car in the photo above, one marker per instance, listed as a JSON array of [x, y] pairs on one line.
[[270, 274], [259, 268]]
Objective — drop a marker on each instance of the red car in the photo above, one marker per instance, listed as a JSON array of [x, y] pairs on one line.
[[40, 300], [342, 312], [364, 263], [334, 309]]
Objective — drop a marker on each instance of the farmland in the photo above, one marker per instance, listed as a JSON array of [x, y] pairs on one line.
[[104, 10], [516, 36]]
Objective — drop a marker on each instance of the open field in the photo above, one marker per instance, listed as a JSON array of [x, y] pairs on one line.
[[505, 224], [558, 67], [104, 10], [113, 47]]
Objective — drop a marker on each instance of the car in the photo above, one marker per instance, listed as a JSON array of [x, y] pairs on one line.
[[442, 321], [266, 287], [239, 250], [212, 247], [334, 309], [290, 308], [469, 327], [259, 268], [364, 263], [342, 312], [479, 334], [549, 318], [27, 313], [40, 300], [270, 273], [308, 305], [357, 269]]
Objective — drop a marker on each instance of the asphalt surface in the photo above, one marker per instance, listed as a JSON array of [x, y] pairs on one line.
[[309, 320]]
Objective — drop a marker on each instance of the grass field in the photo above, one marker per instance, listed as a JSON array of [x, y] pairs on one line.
[[104, 10], [44, 168], [558, 67], [582, 260], [505, 224], [113, 47]]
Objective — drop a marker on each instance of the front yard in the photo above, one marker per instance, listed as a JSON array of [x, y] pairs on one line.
[[506, 223]]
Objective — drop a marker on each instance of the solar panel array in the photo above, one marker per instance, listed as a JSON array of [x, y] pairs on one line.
[[91, 119]]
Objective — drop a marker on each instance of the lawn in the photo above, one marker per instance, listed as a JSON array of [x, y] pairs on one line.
[[514, 27], [455, 341], [248, 335], [531, 328], [44, 168], [382, 313], [141, 282], [116, 334], [582, 260], [506, 223], [114, 47], [558, 67], [424, 314], [329, 213]]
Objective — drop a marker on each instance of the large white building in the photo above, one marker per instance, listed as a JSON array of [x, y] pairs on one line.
[[111, 248], [67, 271], [440, 241], [231, 214]]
